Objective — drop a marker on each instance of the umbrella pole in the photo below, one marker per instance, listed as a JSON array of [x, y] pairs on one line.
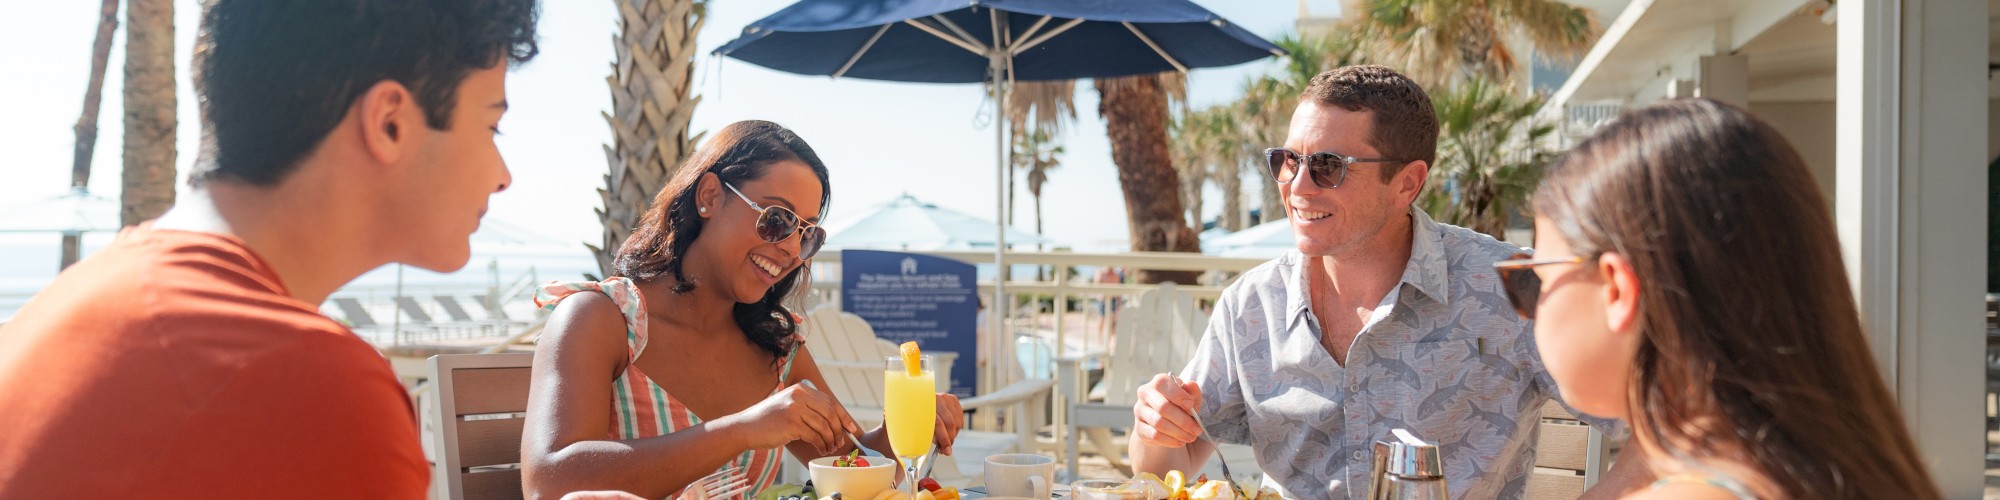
[[396, 325], [1002, 307]]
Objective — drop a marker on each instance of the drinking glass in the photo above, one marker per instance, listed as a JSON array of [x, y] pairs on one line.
[[909, 412]]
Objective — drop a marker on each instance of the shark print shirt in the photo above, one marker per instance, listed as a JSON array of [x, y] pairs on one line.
[[1444, 356]]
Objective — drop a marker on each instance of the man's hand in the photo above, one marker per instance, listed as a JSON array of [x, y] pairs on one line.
[[1162, 416], [950, 418]]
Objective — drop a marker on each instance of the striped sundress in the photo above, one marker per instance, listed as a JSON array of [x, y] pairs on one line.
[[641, 408]]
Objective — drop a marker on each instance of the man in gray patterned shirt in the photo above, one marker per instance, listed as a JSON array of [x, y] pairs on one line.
[[1382, 319]]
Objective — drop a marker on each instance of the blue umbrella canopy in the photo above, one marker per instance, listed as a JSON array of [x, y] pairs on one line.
[[952, 41]]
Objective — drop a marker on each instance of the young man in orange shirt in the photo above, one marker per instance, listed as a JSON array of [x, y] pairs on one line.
[[189, 359]]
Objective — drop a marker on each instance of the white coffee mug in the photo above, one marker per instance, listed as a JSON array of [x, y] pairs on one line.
[[1020, 475]]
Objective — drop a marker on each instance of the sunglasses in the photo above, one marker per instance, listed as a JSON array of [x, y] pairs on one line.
[[775, 223], [1524, 288], [1328, 169]]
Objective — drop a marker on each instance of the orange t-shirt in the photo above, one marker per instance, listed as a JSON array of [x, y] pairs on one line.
[[173, 364]]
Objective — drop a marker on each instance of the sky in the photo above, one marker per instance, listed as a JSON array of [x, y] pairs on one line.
[[879, 139]]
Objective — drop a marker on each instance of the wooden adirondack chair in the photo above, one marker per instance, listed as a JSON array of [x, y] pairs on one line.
[[1155, 334], [850, 356]]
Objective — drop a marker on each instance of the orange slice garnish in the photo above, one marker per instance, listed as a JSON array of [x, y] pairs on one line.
[[913, 360]]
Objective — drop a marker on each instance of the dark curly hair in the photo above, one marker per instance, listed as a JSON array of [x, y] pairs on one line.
[[1406, 126], [277, 75], [741, 152]]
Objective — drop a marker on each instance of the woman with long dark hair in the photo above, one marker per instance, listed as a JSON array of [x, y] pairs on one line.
[[1687, 279], [686, 361]]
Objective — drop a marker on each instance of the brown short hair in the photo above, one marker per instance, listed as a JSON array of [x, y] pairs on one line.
[[1406, 128]]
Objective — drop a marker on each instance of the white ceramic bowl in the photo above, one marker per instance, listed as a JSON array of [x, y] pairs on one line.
[[852, 482]]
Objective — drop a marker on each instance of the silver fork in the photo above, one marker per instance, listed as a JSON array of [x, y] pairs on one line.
[[1218, 451], [724, 483]]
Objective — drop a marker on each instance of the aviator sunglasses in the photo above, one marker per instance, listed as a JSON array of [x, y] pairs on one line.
[[775, 223], [1524, 288]]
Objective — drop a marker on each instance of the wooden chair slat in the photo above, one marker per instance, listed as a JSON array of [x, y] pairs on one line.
[[1556, 411], [1562, 446], [1546, 484], [489, 442], [493, 485], [491, 390]]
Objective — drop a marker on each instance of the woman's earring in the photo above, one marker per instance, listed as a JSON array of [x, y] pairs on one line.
[[703, 210]]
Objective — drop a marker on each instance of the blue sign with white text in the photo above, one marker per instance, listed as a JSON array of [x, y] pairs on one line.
[[931, 300]]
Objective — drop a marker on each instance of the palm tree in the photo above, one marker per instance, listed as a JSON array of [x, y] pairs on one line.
[[1135, 117], [86, 124], [1187, 151], [651, 100], [1037, 152], [149, 110], [1208, 146], [1037, 107], [1488, 161], [1437, 42]]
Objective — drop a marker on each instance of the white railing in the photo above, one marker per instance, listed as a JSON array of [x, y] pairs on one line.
[[1043, 323], [393, 327], [1580, 119]]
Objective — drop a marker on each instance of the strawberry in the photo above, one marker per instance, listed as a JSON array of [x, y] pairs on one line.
[[929, 484]]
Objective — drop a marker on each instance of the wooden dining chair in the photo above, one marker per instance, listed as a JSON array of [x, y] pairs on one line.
[[1569, 456], [481, 402]]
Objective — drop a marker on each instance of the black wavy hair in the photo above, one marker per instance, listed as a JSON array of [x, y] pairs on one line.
[[277, 75], [740, 152]]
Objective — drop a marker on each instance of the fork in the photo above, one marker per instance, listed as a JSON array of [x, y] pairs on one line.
[[1218, 449], [724, 483], [865, 451]]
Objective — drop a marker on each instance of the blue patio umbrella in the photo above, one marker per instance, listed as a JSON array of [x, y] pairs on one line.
[[953, 41], [995, 42]]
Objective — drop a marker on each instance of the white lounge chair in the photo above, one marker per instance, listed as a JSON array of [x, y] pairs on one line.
[[1156, 333]]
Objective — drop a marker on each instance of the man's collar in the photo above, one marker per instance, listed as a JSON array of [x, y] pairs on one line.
[[1426, 270], [1427, 267]]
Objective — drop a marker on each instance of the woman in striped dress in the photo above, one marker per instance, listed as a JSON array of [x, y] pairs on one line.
[[685, 362]]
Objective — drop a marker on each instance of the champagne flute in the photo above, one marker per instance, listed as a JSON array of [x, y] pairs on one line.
[[909, 412]]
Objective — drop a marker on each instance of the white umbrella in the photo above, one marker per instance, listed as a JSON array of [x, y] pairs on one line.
[[907, 223], [70, 215], [1267, 240], [77, 211]]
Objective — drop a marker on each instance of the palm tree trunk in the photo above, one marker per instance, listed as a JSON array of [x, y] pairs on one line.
[[1230, 176], [1039, 275], [1135, 118], [1192, 179], [86, 125], [149, 110], [1272, 207], [1011, 175], [651, 85]]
